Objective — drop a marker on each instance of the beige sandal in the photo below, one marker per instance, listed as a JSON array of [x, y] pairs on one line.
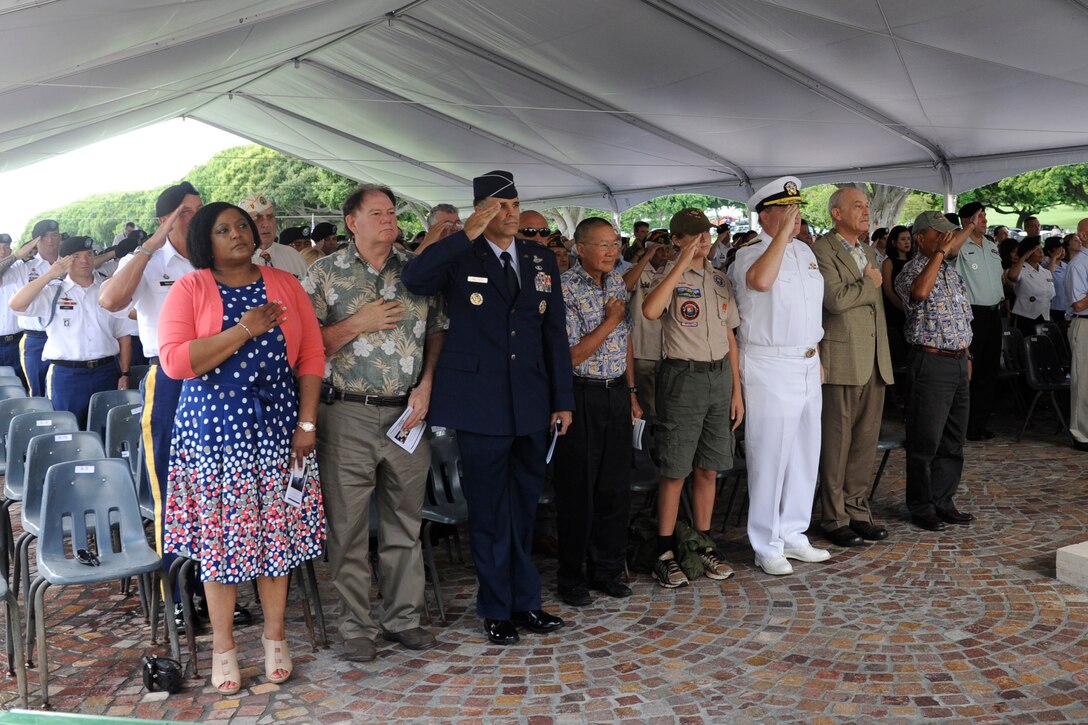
[[276, 660], [226, 677]]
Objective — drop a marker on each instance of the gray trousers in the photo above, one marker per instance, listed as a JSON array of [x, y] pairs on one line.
[[1078, 341], [358, 461]]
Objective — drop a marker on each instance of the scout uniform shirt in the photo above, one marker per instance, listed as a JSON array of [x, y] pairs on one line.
[[700, 314], [646, 335], [79, 328]]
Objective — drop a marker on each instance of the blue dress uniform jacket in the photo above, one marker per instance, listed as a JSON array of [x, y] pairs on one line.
[[503, 370]]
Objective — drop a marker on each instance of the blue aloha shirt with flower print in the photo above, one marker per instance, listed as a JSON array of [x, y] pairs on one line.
[[585, 300], [386, 362]]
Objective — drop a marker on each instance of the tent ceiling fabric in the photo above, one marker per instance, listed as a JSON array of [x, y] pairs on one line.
[[605, 103]]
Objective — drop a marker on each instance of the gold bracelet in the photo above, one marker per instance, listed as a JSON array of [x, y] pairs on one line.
[[248, 331]]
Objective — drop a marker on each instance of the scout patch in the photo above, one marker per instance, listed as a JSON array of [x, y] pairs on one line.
[[543, 282], [689, 310], [720, 281], [476, 298], [543, 306], [692, 293]]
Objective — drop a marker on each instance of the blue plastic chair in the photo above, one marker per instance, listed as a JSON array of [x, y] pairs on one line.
[[42, 453], [9, 409], [87, 501], [103, 402], [21, 429], [124, 433]]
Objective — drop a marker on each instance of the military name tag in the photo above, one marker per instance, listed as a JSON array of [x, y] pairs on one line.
[[476, 298], [543, 282], [477, 280], [166, 283]]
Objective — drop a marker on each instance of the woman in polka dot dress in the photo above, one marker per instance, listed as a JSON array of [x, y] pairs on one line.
[[239, 334]]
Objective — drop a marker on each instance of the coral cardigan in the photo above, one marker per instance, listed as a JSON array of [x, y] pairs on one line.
[[194, 309]]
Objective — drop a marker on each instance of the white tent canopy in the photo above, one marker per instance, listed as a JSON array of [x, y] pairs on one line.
[[600, 103]]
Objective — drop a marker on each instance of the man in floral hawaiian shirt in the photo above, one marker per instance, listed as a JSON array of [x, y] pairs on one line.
[[381, 343]]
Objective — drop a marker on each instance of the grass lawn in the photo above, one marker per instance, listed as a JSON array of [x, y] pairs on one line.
[[1065, 217]]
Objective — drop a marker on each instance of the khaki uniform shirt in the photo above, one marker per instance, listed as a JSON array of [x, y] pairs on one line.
[[700, 314], [646, 336]]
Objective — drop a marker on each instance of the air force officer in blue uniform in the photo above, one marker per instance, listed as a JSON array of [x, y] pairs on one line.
[[503, 382]]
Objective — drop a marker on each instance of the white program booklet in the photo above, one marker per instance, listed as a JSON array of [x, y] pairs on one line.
[[406, 439], [639, 425]]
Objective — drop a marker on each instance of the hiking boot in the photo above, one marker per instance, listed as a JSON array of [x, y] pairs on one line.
[[668, 572], [714, 566]]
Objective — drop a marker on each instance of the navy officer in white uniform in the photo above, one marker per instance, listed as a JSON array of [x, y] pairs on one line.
[[780, 295], [85, 341]]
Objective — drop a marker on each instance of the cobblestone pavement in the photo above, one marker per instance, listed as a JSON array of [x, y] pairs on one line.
[[967, 625]]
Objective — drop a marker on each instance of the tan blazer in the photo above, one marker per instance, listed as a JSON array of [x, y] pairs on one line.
[[855, 332]]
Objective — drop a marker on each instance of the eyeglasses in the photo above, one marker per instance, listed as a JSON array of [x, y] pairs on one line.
[[535, 232], [614, 245]]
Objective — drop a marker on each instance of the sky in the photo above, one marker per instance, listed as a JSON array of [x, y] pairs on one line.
[[152, 156]]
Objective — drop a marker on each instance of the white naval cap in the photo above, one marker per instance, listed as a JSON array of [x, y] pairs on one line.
[[783, 191]]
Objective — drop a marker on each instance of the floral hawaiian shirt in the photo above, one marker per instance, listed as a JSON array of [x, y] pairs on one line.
[[943, 320], [387, 362], [584, 300]]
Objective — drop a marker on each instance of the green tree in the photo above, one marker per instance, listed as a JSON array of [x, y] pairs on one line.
[[102, 216], [1025, 194], [659, 210]]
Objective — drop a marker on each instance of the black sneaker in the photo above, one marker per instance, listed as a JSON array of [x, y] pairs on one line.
[[668, 572]]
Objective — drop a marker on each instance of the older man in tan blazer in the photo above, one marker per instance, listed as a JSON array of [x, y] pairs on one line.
[[857, 367]]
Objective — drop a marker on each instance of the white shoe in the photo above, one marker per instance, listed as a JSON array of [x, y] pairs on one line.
[[808, 553], [776, 566]]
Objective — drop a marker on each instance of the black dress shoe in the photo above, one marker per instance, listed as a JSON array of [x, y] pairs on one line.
[[952, 516], [869, 531], [575, 596], [929, 522], [615, 589], [537, 620], [843, 536], [984, 435], [501, 631], [1080, 445]]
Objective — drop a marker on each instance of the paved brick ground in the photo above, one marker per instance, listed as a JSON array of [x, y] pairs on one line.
[[967, 626]]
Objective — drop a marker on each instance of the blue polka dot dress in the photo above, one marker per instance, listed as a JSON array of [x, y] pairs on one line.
[[230, 462]]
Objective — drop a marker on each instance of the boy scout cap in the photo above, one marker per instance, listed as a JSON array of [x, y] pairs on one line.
[[72, 245], [933, 220], [688, 222], [783, 191]]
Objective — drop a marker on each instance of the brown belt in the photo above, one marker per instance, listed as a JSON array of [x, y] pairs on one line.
[[956, 354]]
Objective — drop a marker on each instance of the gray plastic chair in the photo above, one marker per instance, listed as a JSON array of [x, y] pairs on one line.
[[124, 433], [444, 503], [43, 452], [104, 401], [93, 499], [9, 409], [7, 371], [136, 375], [16, 660], [21, 429], [11, 390]]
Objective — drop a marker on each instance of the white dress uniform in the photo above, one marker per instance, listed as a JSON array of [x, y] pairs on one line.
[[34, 337], [283, 257], [164, 268], [780, 373], [80, 329]]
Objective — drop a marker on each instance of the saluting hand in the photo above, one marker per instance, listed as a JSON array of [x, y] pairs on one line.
[[59, 268], [27, 251], [261, 319], [481, 217], [158, 240], [380, 314]]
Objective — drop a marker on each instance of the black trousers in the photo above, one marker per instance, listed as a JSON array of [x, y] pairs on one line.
[[986, 350], [593, 486], [937, 413]]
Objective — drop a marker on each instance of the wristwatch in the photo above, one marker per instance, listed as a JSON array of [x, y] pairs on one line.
[[306, 426], [144, 250]]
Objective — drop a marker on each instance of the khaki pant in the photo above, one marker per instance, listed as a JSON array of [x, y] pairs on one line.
[[1078, 341], [851, 429], [357, 461]]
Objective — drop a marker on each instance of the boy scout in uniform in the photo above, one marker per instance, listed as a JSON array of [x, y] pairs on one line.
[[698, 389]]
